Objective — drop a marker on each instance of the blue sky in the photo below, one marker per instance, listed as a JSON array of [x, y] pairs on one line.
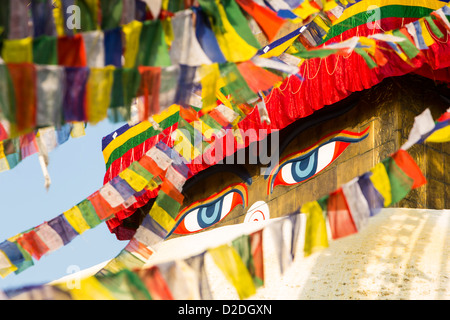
[[76, 169]]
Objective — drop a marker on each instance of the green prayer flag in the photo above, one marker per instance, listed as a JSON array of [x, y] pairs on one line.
[[401, 183], [153, 50], [45, 50], [7, 97], [212, 11], [140, 170], [407, 46], [437, 32], [316, 53], [171, 206], [111, 13], [239, 22], [89, 214], [235, 83], [242, 246], [87, 16], [370, 63]]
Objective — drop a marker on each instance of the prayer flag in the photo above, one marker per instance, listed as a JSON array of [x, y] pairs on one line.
[[94, 43], [113, 47], [315, 232], [49, 236], [206, 37], [71, 51], [374, 199], [17, 50], [197, 263], [43, 23], [155, 283], [23, 76], [400, 182], [62, 227], [230, 263], [74, 103], [409, 166], [185, 48], [33, 244], [357, 203], [380, 181], [153, 50], [98, 93], [339, 217], [50, 94], [132, 33], [76, 220]]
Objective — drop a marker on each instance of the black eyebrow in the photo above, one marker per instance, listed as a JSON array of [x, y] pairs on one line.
[[236, 169]]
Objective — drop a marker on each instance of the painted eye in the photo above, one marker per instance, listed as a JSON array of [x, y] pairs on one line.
[[304, 168], [300, 166], [211, 211]]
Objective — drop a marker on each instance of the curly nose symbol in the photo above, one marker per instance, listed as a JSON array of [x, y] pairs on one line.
[[259, 211]]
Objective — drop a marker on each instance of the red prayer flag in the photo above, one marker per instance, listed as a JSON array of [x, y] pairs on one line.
[[339, 216], [268, 20], [149, 89], [155, 283], [403, 159], [256, 244], [257, 78], [33, 244], [23, 76], [71, 51], [150, 165], [102, 207]]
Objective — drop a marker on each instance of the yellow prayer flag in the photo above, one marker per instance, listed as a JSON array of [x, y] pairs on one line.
[[152, 185], [99, 93], [132, 32], [234, 269], [77, 130], [370, 45], [210, 75], [427, 38], [162, 217], [233, 47], [76, 220], [440, 136], [58, 17], [380, 181], [18, 50], [316, 237], [136, 181]]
